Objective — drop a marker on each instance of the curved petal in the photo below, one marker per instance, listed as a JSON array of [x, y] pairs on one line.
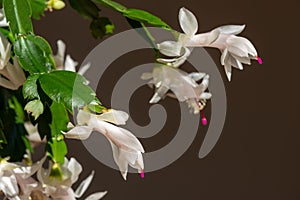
[[231, 29], [70, 64], [228, 71], [119, 136], [119, 160], [83, 117], [224, 56], [188, 22], [79, 133], [241, 46], [205, 95], [84, 69], [196, 76], [176, 62], [75, 167], [146, 76], [96, 196], [84, 185], [60, 56], [114, 116], [170, 48], [9, 186], [159, 94]]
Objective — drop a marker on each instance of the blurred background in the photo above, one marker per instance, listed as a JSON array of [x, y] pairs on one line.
[[257, 156]]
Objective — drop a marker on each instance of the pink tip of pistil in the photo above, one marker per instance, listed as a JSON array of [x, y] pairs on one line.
[[142, 174], [259, 60], [204, 121]]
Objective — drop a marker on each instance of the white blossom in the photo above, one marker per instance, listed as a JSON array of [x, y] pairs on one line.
[[235, 50], [126, 148], [184, 86]]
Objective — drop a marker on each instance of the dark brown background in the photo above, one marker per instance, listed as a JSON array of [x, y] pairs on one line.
[[257, 156]]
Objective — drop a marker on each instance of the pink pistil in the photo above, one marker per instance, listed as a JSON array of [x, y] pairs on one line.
[[203, 119], [142, 174], [259, 60]]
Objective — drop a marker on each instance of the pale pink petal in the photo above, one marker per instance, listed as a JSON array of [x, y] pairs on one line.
[[170, 48], [114, 116], [188, 21], [231, 29], [96, 196]]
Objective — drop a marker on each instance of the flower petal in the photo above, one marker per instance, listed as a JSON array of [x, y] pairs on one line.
[[146, 76], [121, 161], [75, 167], [114, 116], [96, 196], [241, 46], [228, 71], [9, 186], [83, 117], [159, 94], [205, 95], [84, 185], [231, 29], [79, 133], [170, 48], [224, 56], [188, 22], [176, 62], [119, 136], [70, 64], [84, 69], [196, 76], [60, 56]]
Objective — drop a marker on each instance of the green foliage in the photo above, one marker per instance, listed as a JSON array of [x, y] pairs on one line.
[[85, 8], [67, 88], [34, 53], [56, 146], [18, 15], [112, 4], [12, 130], [38, 8], [14, 104], [145, 17], [100, 27], [30, 88], [135, 14]]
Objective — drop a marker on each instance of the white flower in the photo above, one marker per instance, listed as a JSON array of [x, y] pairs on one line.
[[5, 48], [235, 50], [9, 186], [184, 86], [189, 25], [15, 179], [127, 150], [67, 63], [60, 187], [3, 21], [33, 134], [11, 75]]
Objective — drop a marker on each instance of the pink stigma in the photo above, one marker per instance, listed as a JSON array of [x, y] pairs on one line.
[[142, 174], [203, 119], [259, 60]]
